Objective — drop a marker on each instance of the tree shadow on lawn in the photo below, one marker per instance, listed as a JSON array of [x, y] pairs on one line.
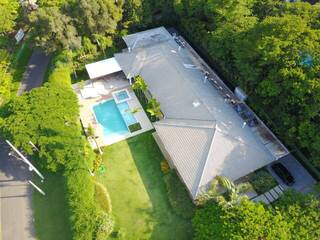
[[51, 212], [147, 157]]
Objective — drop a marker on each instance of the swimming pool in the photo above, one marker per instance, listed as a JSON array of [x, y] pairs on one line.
[[114, 118]]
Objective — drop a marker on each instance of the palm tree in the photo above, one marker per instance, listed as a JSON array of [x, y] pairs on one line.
[[225, 192]]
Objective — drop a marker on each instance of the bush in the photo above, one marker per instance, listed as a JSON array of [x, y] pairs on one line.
[[105, 225], [178, 196], [165, 168], [134, 127], [262, 181], [102, 197]]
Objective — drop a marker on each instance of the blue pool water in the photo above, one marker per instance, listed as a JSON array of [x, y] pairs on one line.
[[114, 117], [122, 95], [126, 114]]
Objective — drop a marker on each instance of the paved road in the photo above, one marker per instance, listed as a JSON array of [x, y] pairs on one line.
[[15, 196], [37, 66]]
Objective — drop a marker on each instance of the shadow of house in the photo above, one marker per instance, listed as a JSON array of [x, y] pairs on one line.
[[152, 177]]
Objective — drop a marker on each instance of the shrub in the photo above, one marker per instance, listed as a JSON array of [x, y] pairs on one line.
[[97, 162], [165, 168], [102, 197], [60, 76], [178, 196], [134, 127], [105, 225], [262, 181]]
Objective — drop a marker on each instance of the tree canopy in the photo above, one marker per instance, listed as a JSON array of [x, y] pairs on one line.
[[54, 30], [9, 10], [294, 217], [99, 16]]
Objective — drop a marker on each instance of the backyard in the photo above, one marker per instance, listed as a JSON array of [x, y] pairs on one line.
[[138, 193], [51, 211]]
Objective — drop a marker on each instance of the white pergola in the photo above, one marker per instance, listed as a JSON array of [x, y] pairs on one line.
[[103, 68]]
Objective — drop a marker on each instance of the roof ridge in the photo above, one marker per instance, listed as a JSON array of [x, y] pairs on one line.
[[180, 124], [205, 164]]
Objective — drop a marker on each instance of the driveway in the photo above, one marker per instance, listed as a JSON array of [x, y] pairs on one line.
[[303, 180], [37, 66], [15, 196]]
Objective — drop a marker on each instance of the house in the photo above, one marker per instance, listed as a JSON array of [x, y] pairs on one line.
[[206, 130]]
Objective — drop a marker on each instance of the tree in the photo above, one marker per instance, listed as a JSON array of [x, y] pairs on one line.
[[302, 213], [54, 30], [244, 221], [278, 62], [99, 16], [9, 10], [224, 192], [103, 42]]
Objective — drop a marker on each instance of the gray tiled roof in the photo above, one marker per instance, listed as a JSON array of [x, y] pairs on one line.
[[204, 136]]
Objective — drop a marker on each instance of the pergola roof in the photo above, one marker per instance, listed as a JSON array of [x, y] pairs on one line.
[[103, 68]]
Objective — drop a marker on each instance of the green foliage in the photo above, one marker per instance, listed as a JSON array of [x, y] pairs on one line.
[[244, 221], [164, 166], [99, 16], [9, 10], [134, 127], [60, 77], [224, 192], [52, 3], [5, 82], [105, 225], [262, 181], [153, 108], [178, 196], [54, 30], [102, 197], [294, 217], [262, 46], [139, 84], [207, 223], [302, 213]]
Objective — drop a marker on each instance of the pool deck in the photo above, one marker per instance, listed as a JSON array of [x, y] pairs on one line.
[[103, 89]]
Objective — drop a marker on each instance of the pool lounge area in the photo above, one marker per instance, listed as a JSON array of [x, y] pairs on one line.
[[110, 106]]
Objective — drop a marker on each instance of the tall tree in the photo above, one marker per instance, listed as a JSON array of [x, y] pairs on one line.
[[9, 10], [54, 30], [99, 16], [279, 62]]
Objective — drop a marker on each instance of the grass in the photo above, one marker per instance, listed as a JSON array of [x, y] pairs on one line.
[[51, 211], [139, 198], [19, 65]]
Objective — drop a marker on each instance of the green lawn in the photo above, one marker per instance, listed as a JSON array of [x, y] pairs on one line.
[[139, 198], [51, 211]]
